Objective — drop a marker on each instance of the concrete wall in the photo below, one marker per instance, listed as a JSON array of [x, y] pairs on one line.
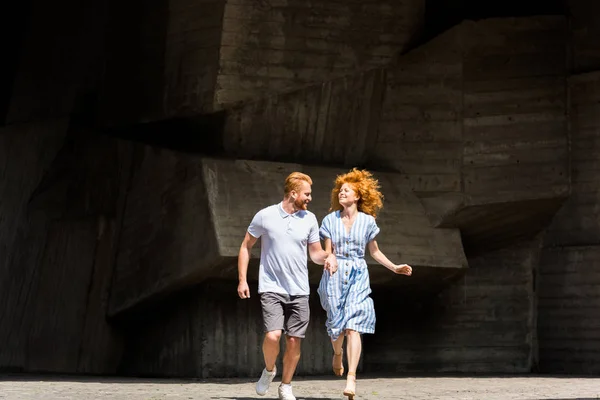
[[15, 17], [570, 267], [187, 57], [485, 322], [275, 46], [185, 218], [330, 123], [34, 146], [60, 187], [421, 116], [194, 34], [486, 114], [489, 118], [60, 59], [167, 238], [514, 132], [60, 221], [133, 80], [478, 110], [209, 332], [584, 54]]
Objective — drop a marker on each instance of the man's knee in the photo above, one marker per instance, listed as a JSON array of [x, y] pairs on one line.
[[293, 342], [273, 336]]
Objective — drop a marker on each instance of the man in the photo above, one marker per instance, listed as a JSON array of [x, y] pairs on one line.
[[286, 229]]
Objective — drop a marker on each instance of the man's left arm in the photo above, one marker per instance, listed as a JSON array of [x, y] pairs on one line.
[[316, 252], [321, 257]]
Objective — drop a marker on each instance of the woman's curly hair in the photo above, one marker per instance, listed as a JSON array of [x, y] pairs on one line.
[[366, 187]]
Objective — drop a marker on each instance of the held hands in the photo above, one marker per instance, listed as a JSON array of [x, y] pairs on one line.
[[402, 269], [331, 264], [243, 290]]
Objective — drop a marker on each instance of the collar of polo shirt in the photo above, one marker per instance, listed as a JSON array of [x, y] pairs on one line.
[[284, 214]]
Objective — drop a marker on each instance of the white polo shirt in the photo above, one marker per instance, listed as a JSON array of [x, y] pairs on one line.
[[284, 240]]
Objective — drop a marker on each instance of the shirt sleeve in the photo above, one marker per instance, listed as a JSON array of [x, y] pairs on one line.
[[256, 227], [313, 235], [325, 231], [373, 230]]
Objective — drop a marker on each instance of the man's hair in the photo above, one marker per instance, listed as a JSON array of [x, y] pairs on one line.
[[293, 182]]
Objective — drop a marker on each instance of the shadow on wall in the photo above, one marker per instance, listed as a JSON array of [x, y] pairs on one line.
[[196, 135], [441, 15]]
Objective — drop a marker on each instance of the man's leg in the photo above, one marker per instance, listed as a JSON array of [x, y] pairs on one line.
[[273, 311], [297, 316], [290, 358], [271, 349], [273, 320]]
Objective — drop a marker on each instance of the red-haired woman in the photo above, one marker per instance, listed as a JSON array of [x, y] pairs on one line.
[[348, 231]]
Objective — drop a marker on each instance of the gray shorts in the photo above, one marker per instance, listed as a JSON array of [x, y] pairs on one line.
[[283, 312]]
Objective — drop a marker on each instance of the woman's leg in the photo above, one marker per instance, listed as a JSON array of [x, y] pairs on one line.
[[338, 355], [353, 350]]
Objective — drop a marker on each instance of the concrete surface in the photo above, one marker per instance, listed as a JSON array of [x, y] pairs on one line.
[[528, 387]]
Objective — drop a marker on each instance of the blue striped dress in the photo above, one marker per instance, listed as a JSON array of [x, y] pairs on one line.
[[345, 295]]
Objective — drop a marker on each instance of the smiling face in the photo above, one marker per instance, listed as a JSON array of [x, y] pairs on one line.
[[357, 187], [347, 195], [302, 196]]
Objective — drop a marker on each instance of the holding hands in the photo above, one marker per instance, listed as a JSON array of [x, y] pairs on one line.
[[331, 264]]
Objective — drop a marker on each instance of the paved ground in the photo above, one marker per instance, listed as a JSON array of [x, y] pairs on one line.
[[414, 388]]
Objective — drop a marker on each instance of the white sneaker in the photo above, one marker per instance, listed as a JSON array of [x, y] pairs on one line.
[[262, 386], [285, 392]]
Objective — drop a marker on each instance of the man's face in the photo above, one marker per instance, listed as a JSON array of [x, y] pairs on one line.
[[303, 196]]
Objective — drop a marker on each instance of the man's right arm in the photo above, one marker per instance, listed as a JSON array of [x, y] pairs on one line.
[[243, 260]]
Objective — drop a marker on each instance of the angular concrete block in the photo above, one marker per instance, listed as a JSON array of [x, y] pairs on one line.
[[167, 237], [186, 217], [491, 222]]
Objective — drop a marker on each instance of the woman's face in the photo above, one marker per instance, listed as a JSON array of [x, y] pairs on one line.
[[347, 195]]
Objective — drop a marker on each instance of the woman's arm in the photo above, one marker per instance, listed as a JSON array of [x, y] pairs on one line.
[[378, 256], [328, 245]]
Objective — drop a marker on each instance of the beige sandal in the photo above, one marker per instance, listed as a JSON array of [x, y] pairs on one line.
[[350, 392], [338, 371]]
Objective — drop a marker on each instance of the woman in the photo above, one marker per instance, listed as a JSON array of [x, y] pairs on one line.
[[347, 231]]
